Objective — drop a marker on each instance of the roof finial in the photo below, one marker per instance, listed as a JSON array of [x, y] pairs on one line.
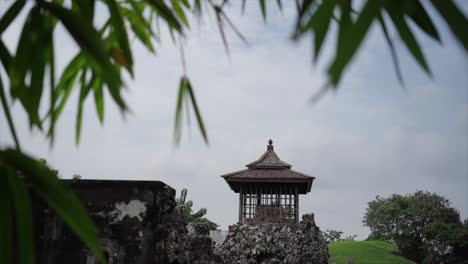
[[270, 144]]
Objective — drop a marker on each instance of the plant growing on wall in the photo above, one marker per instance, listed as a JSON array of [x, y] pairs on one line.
[[198, 217]]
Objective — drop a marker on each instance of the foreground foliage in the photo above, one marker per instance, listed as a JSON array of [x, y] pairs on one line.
[[423, 226], [104, 59], [365, 252]]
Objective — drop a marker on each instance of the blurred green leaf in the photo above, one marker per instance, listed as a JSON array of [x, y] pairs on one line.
[[6, 110], [166, 13], [121, 34], [179, 109], [196, 109], [416, 11], [392, 49], [408, 38], [263, 9], [88, 38], [140, 26], [85, 8], [53, 99], [186, 91], [6, 221], [20, 66], [351, 36], [85, 88], [455, 19], [280, 4], [319, 23], [99, 99], [5, 56], [180, 12], [11, 14], [23, 217], [64, 88], [62, 200]]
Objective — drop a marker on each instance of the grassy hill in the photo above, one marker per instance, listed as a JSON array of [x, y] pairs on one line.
[[365, 252]]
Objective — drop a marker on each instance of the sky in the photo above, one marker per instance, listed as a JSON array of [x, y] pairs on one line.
[[371, 137]]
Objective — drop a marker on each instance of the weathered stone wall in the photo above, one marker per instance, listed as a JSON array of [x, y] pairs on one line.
[[274, 244], [137, 221], [139, 224]]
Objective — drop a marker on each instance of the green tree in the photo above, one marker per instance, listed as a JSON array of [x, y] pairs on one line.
[[105, 55], [185, 208], [332, 236], [423, 225]]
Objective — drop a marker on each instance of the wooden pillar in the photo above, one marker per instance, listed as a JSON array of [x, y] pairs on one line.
[[240, 205], [296, 204]]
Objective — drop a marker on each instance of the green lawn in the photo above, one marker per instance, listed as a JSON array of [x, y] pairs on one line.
[[365, 252]]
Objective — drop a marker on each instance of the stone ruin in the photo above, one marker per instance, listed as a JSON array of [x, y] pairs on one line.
[[275, 244], [139, 224]]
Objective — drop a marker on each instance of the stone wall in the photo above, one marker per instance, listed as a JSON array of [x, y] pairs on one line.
[[275, 244], [138, 223], [218, 236]]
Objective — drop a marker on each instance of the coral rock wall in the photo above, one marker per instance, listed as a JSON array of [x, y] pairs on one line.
[[275, 244]]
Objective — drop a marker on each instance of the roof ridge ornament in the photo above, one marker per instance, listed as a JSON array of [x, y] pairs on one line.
[[270, 144]]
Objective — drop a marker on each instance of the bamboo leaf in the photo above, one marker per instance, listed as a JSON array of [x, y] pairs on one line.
[[20, 63], [6, 110], [180, 12], [122, 37], [23, 217], [408, 38], [196, 109], [179, 110], [11, 14], [415, 10], [53, 99], [263, 9], [85, 88], [280, 4], [62, 200], [350, 37], [454, 18], [38, 63], [80, 29], [219, 22], [233, 27], [89, 40], [64, 89], [303, 9], [85, 8], [319, 22], [166, 13], [140, 26], [396, 64], [5, 56], [99, 99]]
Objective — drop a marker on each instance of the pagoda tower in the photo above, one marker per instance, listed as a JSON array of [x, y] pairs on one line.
[[269, 190]]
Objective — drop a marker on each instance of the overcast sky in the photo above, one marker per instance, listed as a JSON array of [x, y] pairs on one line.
[[372, 137]]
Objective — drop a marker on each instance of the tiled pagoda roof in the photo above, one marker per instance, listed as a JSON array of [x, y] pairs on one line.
[[269, 168]]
